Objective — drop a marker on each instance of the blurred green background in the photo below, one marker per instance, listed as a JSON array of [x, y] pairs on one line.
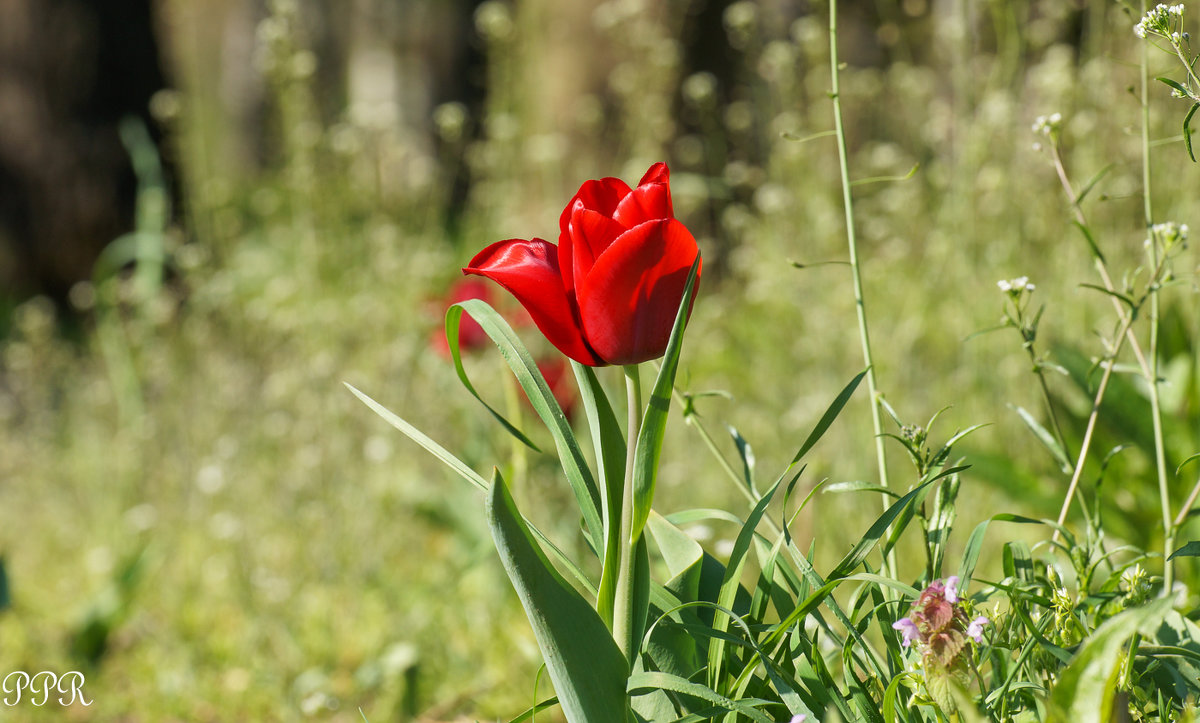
[[196, 513]]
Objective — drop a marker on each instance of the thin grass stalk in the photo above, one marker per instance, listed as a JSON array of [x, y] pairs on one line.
[[1160, 461], [856, 274], [1086, 444]]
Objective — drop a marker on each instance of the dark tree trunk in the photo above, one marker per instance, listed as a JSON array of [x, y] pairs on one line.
[[70, 70]]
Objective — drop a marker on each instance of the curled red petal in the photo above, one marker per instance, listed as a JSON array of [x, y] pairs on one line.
[[651, 200], [629, 299], [601, 196], [657, 173], [529, 271]]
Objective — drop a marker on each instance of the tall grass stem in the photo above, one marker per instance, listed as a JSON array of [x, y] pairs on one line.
[[1160, 460], [855, 271]]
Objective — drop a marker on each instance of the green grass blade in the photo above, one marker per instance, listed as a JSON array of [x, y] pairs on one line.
[[732, 582], [651, 680], [860, 550], [1044, 436], [827, 419], [420, 438], [1187, 131], [975, 544], [466, 473]]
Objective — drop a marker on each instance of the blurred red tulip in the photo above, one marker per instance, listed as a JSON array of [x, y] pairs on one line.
[[608, 293], [471, 335], [556, 372]]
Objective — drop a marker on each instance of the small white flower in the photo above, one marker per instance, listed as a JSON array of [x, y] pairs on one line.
[[1004, 285]]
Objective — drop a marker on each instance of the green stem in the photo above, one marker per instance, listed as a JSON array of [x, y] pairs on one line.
[[1086, 444], [1160, 461], [851, 238], [623, 602]]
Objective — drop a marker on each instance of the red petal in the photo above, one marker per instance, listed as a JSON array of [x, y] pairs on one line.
[[601, 196], [529, 271], [651, 200], [629, 300], [590, 233], [658, 173]]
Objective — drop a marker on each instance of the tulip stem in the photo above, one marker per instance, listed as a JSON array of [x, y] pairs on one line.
[[859, 304], [623, 602]]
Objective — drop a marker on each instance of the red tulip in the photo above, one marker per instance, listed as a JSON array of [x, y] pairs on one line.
[[471, 335], [608, 293]]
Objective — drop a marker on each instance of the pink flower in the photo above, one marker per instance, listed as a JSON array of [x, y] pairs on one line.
[[952, 589], [908, 629], [975, 629]]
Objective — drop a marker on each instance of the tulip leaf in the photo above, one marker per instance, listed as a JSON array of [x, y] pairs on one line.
[[654, 423], [524, 368], [609, 444], [466, 473], [588, 670]]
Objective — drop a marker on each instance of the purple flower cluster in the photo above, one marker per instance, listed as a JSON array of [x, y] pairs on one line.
[[938, 624]]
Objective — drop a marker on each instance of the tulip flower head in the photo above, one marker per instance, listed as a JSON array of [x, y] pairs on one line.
[[608, 292]]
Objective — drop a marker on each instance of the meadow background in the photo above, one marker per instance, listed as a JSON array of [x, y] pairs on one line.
[[195, 511]]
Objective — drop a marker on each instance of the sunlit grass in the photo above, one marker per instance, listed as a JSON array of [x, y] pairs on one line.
[[298, 558]]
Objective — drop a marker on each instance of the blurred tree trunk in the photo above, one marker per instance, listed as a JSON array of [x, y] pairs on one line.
[[70, 70]]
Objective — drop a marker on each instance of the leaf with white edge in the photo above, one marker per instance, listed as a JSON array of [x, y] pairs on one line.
[[588, 670]]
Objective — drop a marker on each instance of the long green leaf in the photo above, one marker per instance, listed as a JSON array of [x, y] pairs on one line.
[[732, 581], [1187, 131], [588, 670], [640, 682], [654, 423], [1085, 689], [1043, 435], [466, 473], [570, 456], [827, 419], [860, 550], [975, 544], [609, 444]]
